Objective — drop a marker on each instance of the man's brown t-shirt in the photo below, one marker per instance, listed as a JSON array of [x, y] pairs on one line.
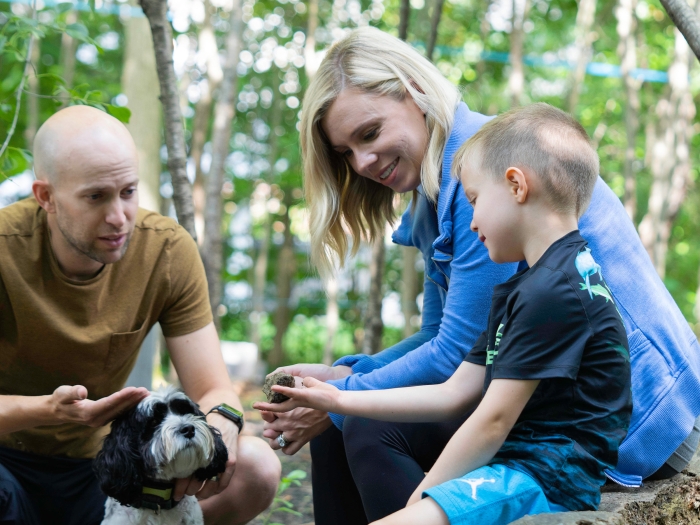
[[57, 331]]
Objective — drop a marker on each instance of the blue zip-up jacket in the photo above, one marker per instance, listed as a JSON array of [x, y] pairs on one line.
[[665, 353]]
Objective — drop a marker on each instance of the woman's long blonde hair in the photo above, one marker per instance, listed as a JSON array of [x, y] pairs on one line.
[[375, 62]]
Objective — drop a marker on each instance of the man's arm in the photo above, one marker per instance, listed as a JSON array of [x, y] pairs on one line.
[[67, 404], [479, 438], [452, 398], [202, 372]]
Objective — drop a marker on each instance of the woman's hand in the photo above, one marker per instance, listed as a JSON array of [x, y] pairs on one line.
[[313, 394], [299, 427], [317, 371]]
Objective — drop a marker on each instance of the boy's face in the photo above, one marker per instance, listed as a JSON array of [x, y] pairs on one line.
[[495, 216]]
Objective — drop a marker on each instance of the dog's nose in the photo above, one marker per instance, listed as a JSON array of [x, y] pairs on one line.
[[187, 431]]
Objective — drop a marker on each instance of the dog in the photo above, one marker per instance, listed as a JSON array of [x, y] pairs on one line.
[[164, 437]]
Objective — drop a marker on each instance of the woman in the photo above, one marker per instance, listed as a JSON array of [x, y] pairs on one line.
[[379, 119]]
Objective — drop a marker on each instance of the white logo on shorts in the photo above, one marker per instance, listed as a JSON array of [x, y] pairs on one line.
[[475, 483]]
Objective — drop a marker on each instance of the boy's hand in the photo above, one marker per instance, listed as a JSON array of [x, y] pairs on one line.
[[313, 394]]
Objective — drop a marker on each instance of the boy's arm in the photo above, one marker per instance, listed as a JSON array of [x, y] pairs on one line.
[[454, 397], [480, 436]]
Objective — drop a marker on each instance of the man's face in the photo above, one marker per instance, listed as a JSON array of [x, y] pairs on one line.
[[96, 204]]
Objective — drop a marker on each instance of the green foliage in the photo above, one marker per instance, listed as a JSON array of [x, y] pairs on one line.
[[280, 504]]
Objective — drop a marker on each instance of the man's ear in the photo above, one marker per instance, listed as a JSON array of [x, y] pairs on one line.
[[43, 193], [517, 182]]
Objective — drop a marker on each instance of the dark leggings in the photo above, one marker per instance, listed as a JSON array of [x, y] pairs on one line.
[[371, 468]]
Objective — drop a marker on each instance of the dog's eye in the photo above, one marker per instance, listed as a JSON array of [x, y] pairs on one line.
[[160, 410], [181, 407]]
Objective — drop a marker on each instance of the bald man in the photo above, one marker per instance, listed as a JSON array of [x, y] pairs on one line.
[[84, 275]]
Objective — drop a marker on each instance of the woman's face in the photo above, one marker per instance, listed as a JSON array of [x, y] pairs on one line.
[[381, 138]]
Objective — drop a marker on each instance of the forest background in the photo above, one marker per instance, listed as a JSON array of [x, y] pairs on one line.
[[241, 68]]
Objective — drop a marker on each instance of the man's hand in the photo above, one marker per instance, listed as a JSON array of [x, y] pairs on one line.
[[192, 486], [299, 426], [317, 371], [69, 404]]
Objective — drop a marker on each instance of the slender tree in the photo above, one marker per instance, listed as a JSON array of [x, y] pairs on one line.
[[224, 112], [286, 267], [161, 32], [373, 317], [516, 81], [434, 25], [33, 97], [404, 16], [140, 85], [69, 45], [668, 149], [409, 288], [686, 20], [209, 52], [627, 51], [583, 30], [332, 320]]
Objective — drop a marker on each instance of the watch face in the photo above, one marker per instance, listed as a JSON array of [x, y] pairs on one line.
[[233, 410]]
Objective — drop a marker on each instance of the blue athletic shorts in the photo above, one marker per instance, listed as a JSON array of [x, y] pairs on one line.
[[491, 495]]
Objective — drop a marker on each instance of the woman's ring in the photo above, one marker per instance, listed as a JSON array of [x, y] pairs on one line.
[[281, 441]]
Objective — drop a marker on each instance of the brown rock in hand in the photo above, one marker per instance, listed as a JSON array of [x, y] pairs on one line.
[[278, 378]]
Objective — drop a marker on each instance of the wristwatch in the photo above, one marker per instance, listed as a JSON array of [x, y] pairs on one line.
[[229, 413]]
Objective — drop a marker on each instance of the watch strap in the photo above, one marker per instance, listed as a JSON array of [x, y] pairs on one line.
[[229, 413]]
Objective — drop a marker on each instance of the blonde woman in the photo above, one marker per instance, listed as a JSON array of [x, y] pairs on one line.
[[379, 119]]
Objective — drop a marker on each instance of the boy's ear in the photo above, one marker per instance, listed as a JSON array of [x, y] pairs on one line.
[[517, 182]]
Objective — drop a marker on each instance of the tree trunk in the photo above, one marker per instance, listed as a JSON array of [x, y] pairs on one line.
[[516, 81], [69, 46], [140, 85], [434, 24], [686, 21], [373, 317], [627, 50], [155, 11], [669, 149], [224, 112], [584, 40], [33, 97], [202, 111], [286, 268], [310, 61], [404, 16], [409, 291], [332, 320], [260, 274]]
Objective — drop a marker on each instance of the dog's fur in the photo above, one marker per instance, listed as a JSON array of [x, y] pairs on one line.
[[164, 437]]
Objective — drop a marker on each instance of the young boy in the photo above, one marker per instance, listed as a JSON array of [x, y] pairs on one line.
[[549, 379]]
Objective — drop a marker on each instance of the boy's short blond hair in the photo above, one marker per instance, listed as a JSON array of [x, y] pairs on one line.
[[549, 142]]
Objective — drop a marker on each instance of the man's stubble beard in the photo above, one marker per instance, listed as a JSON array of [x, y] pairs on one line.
[[87, 248]]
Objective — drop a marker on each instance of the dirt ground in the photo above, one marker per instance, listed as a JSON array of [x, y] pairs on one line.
[[678, 504]]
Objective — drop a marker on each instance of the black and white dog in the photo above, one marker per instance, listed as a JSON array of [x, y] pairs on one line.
[[164, 437]]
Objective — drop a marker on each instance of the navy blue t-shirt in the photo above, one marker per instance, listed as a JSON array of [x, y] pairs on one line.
[[557, 322]]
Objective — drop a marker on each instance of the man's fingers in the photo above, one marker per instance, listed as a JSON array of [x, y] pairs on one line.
[[180, 487]]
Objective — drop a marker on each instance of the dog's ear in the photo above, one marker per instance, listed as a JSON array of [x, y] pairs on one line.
[[218, 462], [118, 466]]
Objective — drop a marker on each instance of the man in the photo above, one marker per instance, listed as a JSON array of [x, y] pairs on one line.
[[84, 274]]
